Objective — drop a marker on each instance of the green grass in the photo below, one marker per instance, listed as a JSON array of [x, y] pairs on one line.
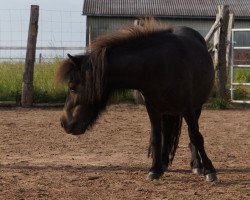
[[45, 89], [121, 96], [242, 75], [10, 81], [218, 103]]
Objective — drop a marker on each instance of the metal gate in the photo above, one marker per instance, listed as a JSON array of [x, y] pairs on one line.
[[239, 44]]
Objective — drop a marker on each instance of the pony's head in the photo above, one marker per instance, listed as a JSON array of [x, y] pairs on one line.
[[87, 76], [80, 110]]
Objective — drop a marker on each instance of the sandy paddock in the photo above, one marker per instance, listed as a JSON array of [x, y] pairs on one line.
[[39, 161]]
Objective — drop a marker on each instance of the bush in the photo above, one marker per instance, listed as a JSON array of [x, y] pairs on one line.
[[240, 93], [218, 103]]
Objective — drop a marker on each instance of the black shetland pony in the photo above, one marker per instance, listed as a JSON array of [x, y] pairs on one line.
[[170, 66]]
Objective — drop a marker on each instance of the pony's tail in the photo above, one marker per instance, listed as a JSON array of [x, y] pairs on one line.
[[174, 136]]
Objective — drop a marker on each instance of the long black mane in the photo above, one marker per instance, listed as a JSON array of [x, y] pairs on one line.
[[94, 64]]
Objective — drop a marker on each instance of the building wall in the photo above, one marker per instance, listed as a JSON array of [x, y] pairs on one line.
[[100, 25]]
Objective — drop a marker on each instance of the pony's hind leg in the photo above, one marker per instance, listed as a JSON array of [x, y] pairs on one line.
[[195, 163], [156, 143], [167, 127], [197, 140]]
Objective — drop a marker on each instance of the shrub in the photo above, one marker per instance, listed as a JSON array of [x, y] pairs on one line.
[[218, 103], [240, 93]]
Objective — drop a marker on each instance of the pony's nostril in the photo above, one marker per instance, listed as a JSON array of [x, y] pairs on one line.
[[62, 124]]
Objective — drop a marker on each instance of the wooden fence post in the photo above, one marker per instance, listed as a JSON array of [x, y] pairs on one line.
[[220, 51], [213, 29], [222, 62], [216, 42], [27, 86], [229, 41]]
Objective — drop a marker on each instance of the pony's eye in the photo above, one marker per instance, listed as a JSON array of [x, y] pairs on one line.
[[72, 88]]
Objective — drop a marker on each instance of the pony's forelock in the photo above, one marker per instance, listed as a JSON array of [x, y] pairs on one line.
[[63, 71]]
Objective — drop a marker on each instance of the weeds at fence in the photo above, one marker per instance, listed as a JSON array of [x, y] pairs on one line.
[[47, 91], [242, 75], [45, 88]]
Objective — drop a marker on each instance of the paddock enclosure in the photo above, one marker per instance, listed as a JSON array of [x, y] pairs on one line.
[[38, 160]]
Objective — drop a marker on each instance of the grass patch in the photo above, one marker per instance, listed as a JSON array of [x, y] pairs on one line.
[[11, 75], [240, 93], [242, 75], [218, 103], [45, 89], [121, 96]]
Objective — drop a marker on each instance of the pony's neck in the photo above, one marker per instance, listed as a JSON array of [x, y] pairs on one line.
[[125, 71]]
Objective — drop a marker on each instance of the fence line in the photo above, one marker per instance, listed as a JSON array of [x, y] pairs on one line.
[[58, 31], [42, 48], [40, 55]]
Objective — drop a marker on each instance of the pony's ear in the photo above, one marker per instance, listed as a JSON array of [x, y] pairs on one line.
[[77, 60]]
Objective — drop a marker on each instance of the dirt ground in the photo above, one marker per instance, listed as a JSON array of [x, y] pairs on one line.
[[38, 160]]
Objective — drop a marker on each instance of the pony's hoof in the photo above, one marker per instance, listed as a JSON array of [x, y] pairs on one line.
[[197, 171], [152, 176], [211, 177], [164, 168]]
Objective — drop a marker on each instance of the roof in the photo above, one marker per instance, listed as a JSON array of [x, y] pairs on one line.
[[164, 8]]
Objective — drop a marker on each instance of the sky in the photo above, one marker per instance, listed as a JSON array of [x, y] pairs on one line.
[[61, 24], [75, 5]]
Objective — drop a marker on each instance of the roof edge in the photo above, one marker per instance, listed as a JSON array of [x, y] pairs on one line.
[[164, 16]]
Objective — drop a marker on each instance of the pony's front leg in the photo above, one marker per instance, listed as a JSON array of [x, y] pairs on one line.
[[195, 163], [156, 144]]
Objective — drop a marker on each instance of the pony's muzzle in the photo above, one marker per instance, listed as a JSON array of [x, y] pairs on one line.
[[62, 124], [71, 128]]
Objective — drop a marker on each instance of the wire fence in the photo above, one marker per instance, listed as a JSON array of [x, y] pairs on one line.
[[59, 32]]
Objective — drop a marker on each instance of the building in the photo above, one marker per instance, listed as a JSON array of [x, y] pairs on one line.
[[108, 15]]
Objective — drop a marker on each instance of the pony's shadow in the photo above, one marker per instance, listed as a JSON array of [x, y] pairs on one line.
[[96, 168], [83, 168], [225, 176], [223, 182]]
